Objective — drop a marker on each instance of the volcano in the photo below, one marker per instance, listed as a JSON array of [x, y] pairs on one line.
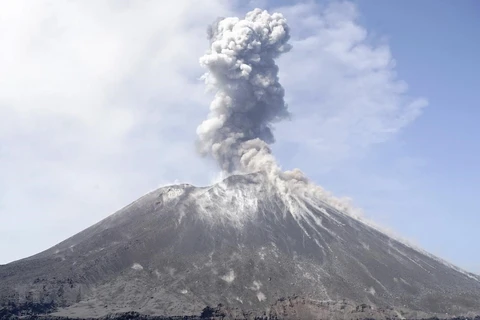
[[242, 247], [261, 244]]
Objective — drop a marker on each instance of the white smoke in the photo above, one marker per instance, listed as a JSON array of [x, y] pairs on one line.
[[249, 99]]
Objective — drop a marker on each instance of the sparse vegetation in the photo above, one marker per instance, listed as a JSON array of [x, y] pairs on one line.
[[40, 311]]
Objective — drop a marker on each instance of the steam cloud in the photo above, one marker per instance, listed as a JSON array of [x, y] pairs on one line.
[[249, 99]]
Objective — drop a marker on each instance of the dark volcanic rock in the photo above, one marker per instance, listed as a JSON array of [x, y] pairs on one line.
[[244, 244]]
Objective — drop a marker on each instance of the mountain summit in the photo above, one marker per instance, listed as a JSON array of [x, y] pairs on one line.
[[246, 245]]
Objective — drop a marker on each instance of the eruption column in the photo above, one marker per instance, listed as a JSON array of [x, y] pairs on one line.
[[248, 96], [249, 99]]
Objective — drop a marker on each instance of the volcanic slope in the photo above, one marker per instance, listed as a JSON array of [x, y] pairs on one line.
[[242, 243]]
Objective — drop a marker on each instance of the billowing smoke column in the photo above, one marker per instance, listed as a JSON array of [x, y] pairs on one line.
[[249, 99]]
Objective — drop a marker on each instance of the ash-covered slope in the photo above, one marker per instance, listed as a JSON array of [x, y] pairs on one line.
[[242, 243]]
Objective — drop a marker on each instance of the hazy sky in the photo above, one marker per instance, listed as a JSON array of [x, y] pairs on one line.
[[100, 100]]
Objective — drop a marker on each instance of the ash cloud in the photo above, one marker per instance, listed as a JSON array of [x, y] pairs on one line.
[[249, 100]]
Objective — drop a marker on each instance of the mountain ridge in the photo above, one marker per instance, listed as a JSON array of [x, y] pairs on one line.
[[244, 243]]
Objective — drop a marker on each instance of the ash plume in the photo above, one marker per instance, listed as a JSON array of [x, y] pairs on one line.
[[249, 99]]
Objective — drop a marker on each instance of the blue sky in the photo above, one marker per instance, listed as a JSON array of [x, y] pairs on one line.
[[99, 104], [434, 44]]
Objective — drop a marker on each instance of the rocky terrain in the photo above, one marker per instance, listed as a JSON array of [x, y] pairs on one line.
[[243, 244]]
